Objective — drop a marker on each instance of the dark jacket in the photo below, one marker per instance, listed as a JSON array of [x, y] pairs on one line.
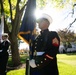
[[4, 47], [3, 56], [47, 42]]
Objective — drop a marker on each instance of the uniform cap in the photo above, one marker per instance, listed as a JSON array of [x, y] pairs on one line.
[[5, 34], [45, 16]]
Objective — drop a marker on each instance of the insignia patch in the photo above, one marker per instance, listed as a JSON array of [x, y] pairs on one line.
[[55, 42]]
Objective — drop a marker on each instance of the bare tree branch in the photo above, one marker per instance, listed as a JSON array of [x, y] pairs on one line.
[[18, 16], [2, 9], [72, 22], [23, 8], [68, 15], [72, 12], [73, 8], [74, 5], [10, 10]]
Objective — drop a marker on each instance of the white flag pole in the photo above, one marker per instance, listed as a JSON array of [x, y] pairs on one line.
[[2, 26]]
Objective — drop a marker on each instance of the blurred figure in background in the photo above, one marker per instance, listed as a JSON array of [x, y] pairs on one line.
[[4, 46]]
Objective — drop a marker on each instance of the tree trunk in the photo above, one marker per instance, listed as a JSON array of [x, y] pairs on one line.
[[14, 51], [14, 40]]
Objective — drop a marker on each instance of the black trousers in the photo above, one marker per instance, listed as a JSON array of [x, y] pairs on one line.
[[47, 70], [3, 63]]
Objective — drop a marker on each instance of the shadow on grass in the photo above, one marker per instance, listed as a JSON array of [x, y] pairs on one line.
[[22, 64], [71, 53]]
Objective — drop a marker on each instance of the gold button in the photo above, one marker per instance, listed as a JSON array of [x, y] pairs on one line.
[[41, 61], [35, 43], [35, 46], [44, 58], [35, 53], [37, 64]]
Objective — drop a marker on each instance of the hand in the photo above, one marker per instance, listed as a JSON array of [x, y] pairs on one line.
[[1, 40], [32, 63]]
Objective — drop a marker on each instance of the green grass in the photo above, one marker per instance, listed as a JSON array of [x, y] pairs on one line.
[[22, 58], [17, 72], [66, 65]]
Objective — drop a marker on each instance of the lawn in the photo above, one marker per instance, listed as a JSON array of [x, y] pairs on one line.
[[66, 65]]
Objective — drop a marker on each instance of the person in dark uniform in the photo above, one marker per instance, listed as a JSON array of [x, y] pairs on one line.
[[4, 45], [45, 48]]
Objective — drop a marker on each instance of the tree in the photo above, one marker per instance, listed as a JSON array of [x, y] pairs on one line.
[[15, 14], [67, 35]]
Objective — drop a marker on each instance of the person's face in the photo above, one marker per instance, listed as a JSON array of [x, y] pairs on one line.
[[4, 38], [43, 24]]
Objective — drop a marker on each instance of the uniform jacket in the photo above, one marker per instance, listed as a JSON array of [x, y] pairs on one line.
[[4, 47], [47, 42]]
